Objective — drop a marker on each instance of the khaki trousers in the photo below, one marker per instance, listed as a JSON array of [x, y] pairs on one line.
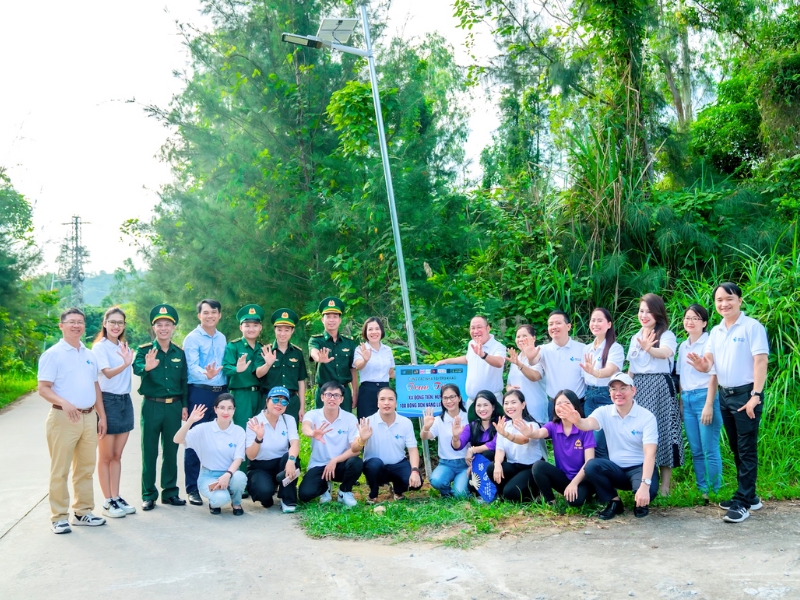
[[75, 445]]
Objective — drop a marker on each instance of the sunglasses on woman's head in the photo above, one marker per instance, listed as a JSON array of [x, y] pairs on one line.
[[279, 400]]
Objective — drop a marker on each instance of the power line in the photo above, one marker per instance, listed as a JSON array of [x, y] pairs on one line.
[[73, 258]]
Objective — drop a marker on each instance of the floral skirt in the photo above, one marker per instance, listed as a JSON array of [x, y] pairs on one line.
[[656, 393]]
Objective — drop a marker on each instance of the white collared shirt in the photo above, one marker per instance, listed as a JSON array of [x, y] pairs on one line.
[[344, 430], [107, 354], [217, 448], [72, 371], [480, 374], [534, 391], [626, 436], [276, 440], [524, 454], [644, 363], [389, 442], [734, 349], [445, 430], [561, 365], [616, 357], [377, 368], [691, 378]]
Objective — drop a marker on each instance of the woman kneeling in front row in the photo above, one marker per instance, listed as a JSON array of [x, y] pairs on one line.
[[220, 446]]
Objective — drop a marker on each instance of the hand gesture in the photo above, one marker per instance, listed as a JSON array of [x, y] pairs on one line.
[[242, 364], [457, 426], [646, 343], [567, 412], [530, 350], [571, 492], [257, 427], [325, 357], [318, 432], [500, 426], [126, 353], [428, 419], [269, 354], [212, 370], [197, 414], [588, 365], [150, 360], [524, 428], [366, 351], [476, 347], [498, 473], [513, 357], [364, 429], [698, 362]]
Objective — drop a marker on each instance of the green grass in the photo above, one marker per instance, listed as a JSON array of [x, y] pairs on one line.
[[14, 386]]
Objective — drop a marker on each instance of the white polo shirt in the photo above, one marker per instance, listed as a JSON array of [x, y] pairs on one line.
[[524, 454], [616, 357], [644, 363], [377, 368], [562, 367], [72, 371], [389, 442], [276, 440], [534, 391], [217, 448], [627, 435], [733, 350], [691, 378], [445, 430], [107, 355], [344, 430], [480, 374]]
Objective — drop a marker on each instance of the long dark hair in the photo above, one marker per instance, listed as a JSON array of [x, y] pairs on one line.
[[611, 334], [658, 310], [526, 416], [573, 399], [453, 388], [476, 427], [103, 333]]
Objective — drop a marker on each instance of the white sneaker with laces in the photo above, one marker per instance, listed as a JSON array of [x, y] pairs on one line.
[[286, 508], [347, 499], [61, 527], [113, 510], [89, 520], [129, 510]]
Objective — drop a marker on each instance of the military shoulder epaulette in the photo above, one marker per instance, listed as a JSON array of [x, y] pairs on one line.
[[317, 335], [296, 346], [146, 345], [176, 345], [236, 340]]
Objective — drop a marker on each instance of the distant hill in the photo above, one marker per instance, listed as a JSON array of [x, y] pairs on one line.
[[96, 287]]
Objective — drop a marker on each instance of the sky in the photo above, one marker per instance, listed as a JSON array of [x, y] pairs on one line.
[[74, 137]]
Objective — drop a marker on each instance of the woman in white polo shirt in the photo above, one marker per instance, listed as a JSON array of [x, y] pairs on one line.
[[272, 447], [702, 418], [375, 363], [651, 355], [114, 359], [220, 446], [452, 468], [534, 391]]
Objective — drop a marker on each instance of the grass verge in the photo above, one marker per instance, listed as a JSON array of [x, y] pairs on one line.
[[14, 386]]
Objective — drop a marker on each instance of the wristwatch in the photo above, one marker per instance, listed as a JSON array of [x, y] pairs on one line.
[[292, 458], [759, 394], [647, 481], [259, 441]]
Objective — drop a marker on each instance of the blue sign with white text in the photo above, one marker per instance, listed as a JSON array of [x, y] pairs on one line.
[[419, 386]]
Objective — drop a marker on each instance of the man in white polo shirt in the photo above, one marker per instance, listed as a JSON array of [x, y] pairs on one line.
[[385, 436], [738, 350], [632, 438], [331, 430], [68, 380], [485, 360]]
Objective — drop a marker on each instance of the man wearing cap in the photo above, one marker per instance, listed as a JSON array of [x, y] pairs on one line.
[[334, 354], [162, 367], [285, 363], [632, 438], [243, 365]]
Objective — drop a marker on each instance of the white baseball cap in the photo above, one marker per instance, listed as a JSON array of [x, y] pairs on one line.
[[620, 376]]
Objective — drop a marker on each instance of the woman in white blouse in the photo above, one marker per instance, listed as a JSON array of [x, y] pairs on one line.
[[651, 355], [375, 363], [534, 391]]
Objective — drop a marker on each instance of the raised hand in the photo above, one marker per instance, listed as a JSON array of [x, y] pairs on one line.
[[325, 357], [242, 364], [126, 353], [500, 426], [428, 419], [567, 412], [512, 357], [700, 363], [197, 413], [257, 427], [269, 354], [318, 431], [476, 347], [212, 370], [531, 351], [150, 360], [364, 429], [366, 351], [457, 426], [524, 428], [588, 365], [646, 342]]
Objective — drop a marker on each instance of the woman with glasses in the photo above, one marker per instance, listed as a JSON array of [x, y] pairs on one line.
[[114, 359], [651, 355], [273, 446], [452, 469], [375, 363], [701, 414]]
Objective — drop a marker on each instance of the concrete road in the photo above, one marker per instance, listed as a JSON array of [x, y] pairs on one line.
[[184, 552]]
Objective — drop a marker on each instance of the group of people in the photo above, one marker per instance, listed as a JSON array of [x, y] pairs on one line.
[[236, 407]]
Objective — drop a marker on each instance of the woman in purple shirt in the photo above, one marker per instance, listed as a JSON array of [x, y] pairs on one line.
[[572, 448], [480, 434]]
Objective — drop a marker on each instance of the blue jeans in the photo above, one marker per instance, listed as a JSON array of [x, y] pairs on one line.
[[451, 471], [703, 439], [219, 498], [595, 398]]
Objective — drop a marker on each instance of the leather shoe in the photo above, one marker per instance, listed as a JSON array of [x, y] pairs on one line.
[[194, 498], [214, 511], [245, 495], [640, 511], [174, 500], [148, 504], [614, 508], [238, 512]]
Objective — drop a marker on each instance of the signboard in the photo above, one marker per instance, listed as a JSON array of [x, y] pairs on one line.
[[418, 387]]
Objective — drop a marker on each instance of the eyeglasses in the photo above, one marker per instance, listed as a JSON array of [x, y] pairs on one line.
[[332, 396], [279, 400], [115, 323], [694, 319], [449, 397], [74, 323], [616, 390]]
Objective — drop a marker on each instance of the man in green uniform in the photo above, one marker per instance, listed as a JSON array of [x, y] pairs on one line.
[[334, 353], [162, 367], [286, 365], [243, 365]]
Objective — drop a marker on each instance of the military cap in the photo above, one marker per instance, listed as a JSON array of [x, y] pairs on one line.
[[285, 316], [250, 312], [331, 304], [279, 390], [163, 311]]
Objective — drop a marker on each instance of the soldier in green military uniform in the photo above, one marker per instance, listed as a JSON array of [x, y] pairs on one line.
[[334, 353], [162, 367], [286, 364]]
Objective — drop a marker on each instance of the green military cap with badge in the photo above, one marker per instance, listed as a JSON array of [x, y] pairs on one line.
[[163, 311], [331, 304], [250, 312], [285, 316]]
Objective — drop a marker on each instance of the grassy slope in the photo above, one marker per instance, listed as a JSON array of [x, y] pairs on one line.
[[13, 386]]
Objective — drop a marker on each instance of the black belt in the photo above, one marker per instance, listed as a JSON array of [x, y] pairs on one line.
[[163, 400], [252, 388], [735, 391], [380, 384], [211, 388], [112, 396]]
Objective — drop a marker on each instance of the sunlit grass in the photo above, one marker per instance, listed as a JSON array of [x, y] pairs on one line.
[[13, 386]]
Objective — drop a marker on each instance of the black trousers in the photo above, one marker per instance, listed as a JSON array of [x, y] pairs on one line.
[[549, 478], [347, 473], [379, 473], [265, 477], [368, 398], [608, 477], [743, 437], [517, 484]]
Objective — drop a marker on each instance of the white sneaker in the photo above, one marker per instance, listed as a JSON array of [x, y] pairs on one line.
[[89, 520], [347, 499], [286, 508], [325, 498], [129, 510], [113, 510], [61, 527]]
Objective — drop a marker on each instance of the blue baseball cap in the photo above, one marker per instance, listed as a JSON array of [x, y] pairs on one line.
[[279, 390]]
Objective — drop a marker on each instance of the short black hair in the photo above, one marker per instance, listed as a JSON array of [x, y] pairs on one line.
[[555, 313], [729, 287], [485, 320], [212, 304], [699, 311], [222, 397], [366, 324], [331, 385], [72, 311], [383, 389]]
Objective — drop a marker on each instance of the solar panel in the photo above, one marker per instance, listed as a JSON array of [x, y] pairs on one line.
[[336, 30]]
